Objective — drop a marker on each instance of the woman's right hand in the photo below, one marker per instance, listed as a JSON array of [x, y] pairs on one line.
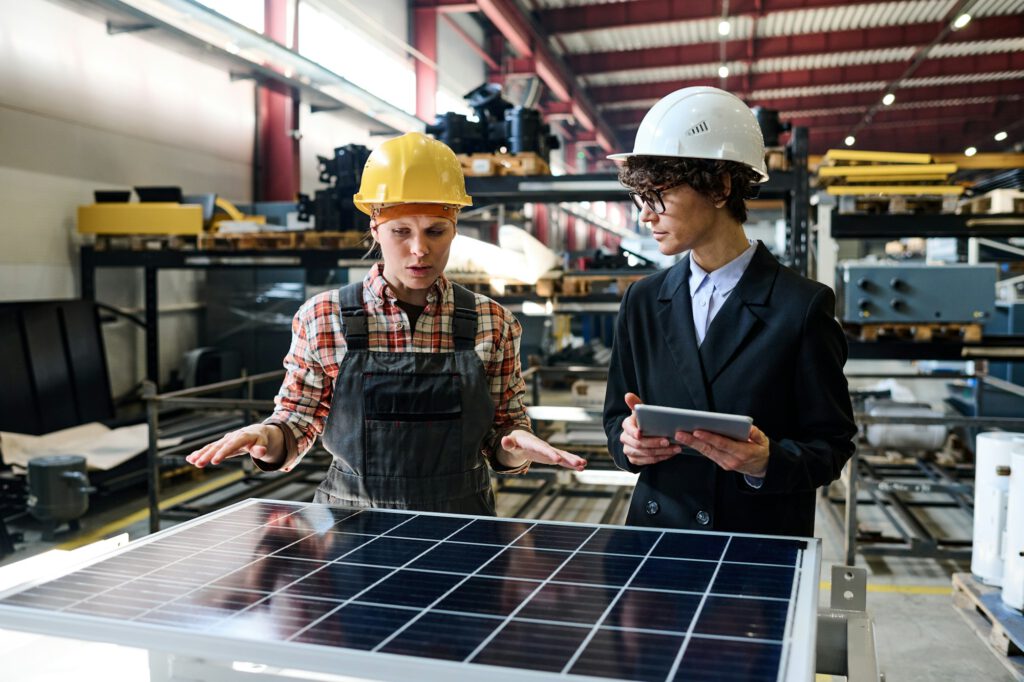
[[642, 451], [264, 442]]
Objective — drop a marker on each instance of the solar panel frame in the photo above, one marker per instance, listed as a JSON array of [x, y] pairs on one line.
[[797, 640]]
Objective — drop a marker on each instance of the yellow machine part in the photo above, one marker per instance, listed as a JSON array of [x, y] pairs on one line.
[[234, 215], [859, 190], [141, 218], [835, 155], [900, 170]]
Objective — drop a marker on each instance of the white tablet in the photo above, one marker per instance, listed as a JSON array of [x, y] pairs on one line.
[[663, 422]]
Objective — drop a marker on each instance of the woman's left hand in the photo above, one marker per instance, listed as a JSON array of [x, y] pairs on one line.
[[523, 445]]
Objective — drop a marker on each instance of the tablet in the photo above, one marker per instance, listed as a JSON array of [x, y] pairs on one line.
[[663, 422]]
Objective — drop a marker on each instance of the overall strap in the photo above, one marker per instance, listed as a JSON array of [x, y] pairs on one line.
[[353, 316], [464, 322]]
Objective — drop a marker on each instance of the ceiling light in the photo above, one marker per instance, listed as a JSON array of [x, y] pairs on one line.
[[970, 151], [232, 48], [723, 71], [850, 139], [724, 27], [961, 21], [888, 99], [1000, 136]]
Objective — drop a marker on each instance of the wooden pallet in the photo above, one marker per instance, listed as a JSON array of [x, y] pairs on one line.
[[918, 331], [349, 239], [584, 285], [900, 204], [1001, 628], [145, 242], [995, 202], [486, 165], [238, 241]]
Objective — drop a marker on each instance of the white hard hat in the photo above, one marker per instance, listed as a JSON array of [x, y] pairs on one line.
[[701, 123]]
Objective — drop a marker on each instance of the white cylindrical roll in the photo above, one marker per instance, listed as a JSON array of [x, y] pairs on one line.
[[992, 460], [1013, 565]]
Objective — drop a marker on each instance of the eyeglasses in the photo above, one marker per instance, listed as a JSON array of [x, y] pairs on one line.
[[651, 199]]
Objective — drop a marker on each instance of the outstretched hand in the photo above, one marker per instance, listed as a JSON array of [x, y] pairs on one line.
[[525, 445]]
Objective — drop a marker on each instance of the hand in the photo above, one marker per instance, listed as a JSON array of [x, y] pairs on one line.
[[526, 446], [264, 442], [750, 457], [639, 450]]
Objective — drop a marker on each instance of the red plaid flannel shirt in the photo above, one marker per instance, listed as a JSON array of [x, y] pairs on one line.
[[318, 347]]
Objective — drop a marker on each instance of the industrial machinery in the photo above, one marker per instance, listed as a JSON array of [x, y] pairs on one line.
[[332, 207], [501, 125], [889, 292]]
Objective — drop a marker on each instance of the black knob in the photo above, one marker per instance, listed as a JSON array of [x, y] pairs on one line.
[[897, 303], [864, 283], [897, 283], [864, 303]]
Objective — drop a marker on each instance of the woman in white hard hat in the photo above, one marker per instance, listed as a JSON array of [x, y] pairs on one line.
[[727, 329], [412, 382]]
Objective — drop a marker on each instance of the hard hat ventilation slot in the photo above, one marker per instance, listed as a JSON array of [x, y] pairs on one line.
[[701, 127]]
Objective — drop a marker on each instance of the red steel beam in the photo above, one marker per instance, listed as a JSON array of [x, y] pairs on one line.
[[277, 157], [424, 39], [883, 37], [481, 52], [529, 40]]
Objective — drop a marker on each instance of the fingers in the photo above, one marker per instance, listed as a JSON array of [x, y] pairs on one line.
[[231, 445], [649, 446], [569, 460], [632, 400], [645, 457]]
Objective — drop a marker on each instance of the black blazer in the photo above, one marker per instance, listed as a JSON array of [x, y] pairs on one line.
[[773, 352]]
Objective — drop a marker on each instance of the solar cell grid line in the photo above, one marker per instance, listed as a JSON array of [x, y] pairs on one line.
[[378, 582], [145, 575], [696, 616], [437, 601], [611, 605], [269, 596], [480, 647]]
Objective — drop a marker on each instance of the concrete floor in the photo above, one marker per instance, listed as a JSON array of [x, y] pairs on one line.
[[919, 636]]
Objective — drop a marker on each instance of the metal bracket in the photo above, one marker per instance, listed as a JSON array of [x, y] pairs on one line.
[[240, 76], [114, 28], [849, 588], [317, 108]]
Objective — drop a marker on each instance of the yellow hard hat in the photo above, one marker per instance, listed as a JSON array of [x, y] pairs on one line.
[[412, 168]]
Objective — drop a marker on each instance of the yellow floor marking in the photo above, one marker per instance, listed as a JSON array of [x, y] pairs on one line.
[[900, 589], [115, 526]]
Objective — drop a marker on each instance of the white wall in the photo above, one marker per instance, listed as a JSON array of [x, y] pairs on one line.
[[460, 68], [81, 110]]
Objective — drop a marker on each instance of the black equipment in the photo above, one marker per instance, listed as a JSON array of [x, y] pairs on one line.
[[333, 207], [58, 491]]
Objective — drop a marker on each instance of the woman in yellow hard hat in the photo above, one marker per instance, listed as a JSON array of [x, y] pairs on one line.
[[413, 382]]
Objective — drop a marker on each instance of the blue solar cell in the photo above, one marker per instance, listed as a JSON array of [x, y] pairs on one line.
[[628, 655], [558, 602], [369, 522], [440, 635], [410, 588], [599, 570], [324, 546], [356, 626], [338, 581], [490, 532], [555, 537], [674, 574], [764, 550], [546, 647], [534, 564], [755, 581], [727, 661], [640, 609], [388, 552], [696, 546], [429, 527], [621, 541], [736, 617], [488, 596], [456, 557]]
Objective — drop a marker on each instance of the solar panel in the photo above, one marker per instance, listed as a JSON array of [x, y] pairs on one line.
[[400, 595]]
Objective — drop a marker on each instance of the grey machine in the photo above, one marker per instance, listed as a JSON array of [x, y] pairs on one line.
[[870, 292]]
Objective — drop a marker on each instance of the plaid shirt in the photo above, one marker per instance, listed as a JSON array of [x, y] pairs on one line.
[[318, 347]]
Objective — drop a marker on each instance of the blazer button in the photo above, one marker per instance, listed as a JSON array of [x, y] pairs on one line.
[[651, 507], [703, 518]]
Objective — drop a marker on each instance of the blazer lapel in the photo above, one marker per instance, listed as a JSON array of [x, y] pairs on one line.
[[675, 318], [740, 317]]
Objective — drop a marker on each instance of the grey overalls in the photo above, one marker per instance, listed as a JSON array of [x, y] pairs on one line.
[[406, 428]]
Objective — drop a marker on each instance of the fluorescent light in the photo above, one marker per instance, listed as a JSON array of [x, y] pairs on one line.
[[961, 21], [888, 99], [724, 27], [1000, 136], [232, 48], [970, 151], [723, 71], [850, 139]]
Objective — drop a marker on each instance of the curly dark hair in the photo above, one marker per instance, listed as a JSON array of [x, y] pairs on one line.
[[705, 176]]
